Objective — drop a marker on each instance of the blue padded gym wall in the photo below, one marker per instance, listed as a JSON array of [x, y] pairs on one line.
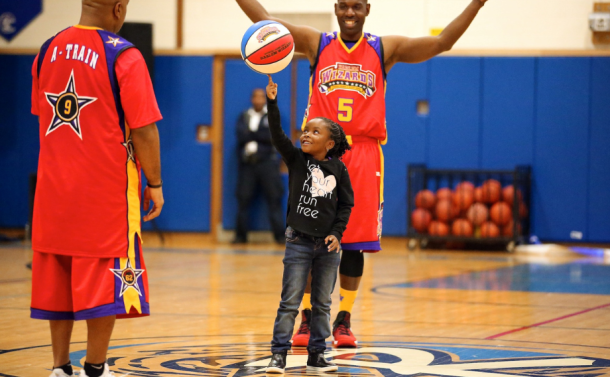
[[183, 86], [240, 81], [19, 143], [561, 157]]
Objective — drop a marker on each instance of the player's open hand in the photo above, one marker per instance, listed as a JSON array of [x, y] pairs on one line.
[[334, 243], [156, 195], [271, 89]]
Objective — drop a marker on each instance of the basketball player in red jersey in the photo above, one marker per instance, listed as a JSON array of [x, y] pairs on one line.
[[348, 72], [97, 111]]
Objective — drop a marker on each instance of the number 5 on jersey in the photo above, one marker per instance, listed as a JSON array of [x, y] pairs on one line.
[[345, 111]]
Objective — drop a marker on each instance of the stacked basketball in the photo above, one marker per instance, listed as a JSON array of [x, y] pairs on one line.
[[468, 211]]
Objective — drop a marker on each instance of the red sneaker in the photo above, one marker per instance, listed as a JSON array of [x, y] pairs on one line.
[[343, 336], [301, 338]]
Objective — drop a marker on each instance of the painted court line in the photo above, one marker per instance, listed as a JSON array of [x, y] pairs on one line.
[[546, 322]]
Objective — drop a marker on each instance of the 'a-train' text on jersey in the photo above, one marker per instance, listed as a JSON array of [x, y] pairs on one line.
[[90, 87], [347, 85]]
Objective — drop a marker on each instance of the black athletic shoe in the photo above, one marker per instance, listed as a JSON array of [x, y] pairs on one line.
[[277, 363], [316, 362]]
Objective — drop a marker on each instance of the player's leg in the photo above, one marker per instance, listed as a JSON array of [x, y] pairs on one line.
[[271, 181], [323, 279], [365, 165], [61, 332], [52, 300], [105, 289], [246, 186], [350, 270], [99, 331], [301, 338]]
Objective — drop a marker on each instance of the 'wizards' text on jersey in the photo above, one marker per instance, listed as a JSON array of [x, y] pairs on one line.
[[347, 85]]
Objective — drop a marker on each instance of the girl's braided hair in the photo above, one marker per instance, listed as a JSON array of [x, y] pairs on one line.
[[338, 136]]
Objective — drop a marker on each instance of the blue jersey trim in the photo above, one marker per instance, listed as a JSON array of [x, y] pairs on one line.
[[112, 52]]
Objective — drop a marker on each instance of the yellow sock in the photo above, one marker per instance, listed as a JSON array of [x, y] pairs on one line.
[[347, 300], [307, 301]]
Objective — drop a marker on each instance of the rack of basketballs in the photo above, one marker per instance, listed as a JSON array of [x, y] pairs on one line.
[[468, 207]]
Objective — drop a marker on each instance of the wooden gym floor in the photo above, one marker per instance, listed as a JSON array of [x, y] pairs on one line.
[[423, 313]]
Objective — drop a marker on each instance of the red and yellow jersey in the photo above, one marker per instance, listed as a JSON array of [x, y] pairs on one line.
[[347, 85], [90, 87]]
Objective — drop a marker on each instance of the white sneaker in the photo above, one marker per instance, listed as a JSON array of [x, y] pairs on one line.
[[107, 372], [58, 372]]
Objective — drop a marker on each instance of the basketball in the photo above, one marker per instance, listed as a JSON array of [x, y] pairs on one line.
[[478, 194], [489, 230], [463, 198], [425, 199], [501, 213], [267, 47], [492, 191], [444, 193], [523, 210], [477, 213], [507, 230], [461, 227], [445, 210], [465, 185], [508, 194], [420, 219], [438, 228]]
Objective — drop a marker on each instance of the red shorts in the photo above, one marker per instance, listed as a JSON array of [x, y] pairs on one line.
[[365, 166], [76, 288]]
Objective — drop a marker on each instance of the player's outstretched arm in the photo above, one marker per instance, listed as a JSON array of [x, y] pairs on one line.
[[147, 147], [414, 50], [306, 39]]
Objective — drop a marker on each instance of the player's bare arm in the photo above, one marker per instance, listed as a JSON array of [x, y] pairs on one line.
[[147, 147], [414, 50], [306, 38]]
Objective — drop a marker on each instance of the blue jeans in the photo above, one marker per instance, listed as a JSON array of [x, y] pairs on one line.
[[303, 254]]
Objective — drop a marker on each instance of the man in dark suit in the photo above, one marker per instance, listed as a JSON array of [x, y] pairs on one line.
[[258, 167]]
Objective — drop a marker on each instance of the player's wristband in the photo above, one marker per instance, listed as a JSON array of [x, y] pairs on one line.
[[154, 186]]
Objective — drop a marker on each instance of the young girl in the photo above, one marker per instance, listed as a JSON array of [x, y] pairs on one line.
[[319, 205]]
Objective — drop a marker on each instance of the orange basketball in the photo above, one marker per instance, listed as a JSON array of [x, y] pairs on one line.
[[463, 198], [478, 194], [489, 230], [477, 213], [522, 210], [465, 185], [420, 219], [438, 228], [492, 191], [425, 199], [445, 210], [507, 230], [443, 194], [501, 213], [461, 227], [508, 195]]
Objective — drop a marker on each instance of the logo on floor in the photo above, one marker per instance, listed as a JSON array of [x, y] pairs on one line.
[[185, 357]]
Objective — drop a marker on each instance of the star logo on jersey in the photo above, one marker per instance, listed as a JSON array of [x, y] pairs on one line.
[[67, 107], [130, 151], [114, 41], [129, 278], [371, 38], [330, 34]]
